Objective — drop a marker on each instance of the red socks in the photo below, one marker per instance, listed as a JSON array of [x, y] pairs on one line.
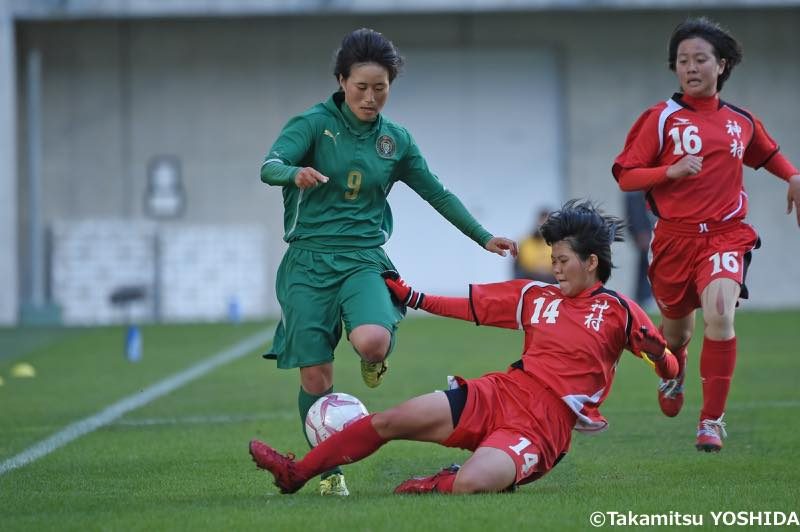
[[717, 361], [356, 442]]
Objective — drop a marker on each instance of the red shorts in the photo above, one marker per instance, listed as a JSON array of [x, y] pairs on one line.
[[687, 257], [515, 413]]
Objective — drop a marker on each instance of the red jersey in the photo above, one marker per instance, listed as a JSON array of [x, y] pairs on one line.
[[572, 344], [724, 135]]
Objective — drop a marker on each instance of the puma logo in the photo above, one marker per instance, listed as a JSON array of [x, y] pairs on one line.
[[328, 133]]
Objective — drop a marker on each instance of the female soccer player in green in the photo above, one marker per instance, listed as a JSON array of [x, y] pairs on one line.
[[336, 164]]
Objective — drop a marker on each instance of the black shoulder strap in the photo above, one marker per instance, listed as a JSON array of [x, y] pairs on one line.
[[472, 307]]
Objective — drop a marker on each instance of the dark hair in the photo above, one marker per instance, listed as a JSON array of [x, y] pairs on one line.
[[367, 46], [588, 232], [725, 46]]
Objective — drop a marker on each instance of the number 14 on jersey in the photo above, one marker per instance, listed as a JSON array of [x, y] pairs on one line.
[[550, 312]]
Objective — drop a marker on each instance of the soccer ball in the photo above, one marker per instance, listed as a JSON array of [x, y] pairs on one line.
[[331, 414]]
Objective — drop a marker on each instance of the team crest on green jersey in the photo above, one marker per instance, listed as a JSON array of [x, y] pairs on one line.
[[385, 146]]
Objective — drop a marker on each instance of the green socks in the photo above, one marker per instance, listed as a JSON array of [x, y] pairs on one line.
[[304, 402]]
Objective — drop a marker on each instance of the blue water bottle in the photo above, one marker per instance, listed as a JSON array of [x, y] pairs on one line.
[[133, 344], [234, 310]]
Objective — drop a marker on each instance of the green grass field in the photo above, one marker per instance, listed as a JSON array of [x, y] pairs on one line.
[[180, 462]]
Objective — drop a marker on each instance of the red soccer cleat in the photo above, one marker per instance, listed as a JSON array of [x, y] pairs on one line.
[[419, 485], [670, 392], [283, 468], [709, 435]]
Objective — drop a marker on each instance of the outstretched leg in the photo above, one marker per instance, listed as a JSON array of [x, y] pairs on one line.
[[424, 418], [356, 442]]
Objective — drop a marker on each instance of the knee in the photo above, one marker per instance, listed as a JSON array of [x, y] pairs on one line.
[[384, 425], [316, 380], [677, 339], [373, 346], [719, 326]]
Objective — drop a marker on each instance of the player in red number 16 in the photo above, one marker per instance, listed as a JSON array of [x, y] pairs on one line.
[[686, 154], [519, 421]]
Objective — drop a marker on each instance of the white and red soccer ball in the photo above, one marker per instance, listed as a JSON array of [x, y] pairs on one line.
[[331, 414]]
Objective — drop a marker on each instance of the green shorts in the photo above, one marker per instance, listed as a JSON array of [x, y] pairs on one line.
[[318, 291]]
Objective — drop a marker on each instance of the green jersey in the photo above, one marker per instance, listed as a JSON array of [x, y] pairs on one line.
[[363, 161]]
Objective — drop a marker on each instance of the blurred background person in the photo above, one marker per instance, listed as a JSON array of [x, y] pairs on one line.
[[640, 227], [533, 260]]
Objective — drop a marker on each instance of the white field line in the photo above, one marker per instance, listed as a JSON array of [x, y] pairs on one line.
[[218, 419], [132, 402]]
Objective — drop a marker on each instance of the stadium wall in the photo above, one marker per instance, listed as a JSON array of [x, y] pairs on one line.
[[215, 93]]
